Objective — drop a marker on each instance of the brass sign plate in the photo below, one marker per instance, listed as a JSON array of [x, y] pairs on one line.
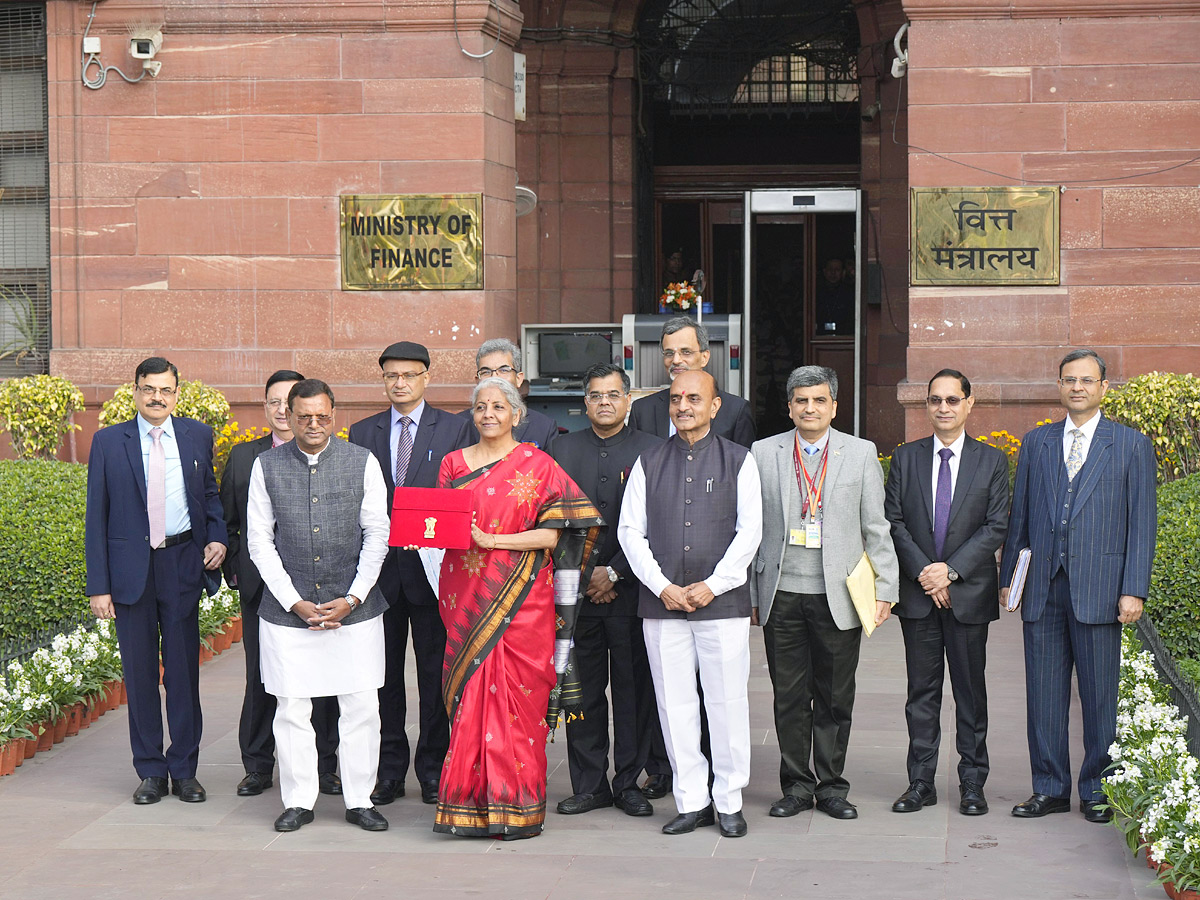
[[413, 242], [984, 236]]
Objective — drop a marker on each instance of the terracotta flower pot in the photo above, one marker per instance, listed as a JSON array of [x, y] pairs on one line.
[[60, 728], [205, 654], [31, 746], [112, 693], [8, 765], [18, 752], [221, 641], [46, 738], [74, 720]]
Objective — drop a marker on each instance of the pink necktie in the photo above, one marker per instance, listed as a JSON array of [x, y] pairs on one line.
[[156, 490]]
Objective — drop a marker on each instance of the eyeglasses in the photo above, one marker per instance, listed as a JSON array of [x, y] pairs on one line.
[[1087, 381], [686, 353], [277, 403], [610, 396], [146, 391], [320, 420], [488, 373], [410, 377], [952, 402]]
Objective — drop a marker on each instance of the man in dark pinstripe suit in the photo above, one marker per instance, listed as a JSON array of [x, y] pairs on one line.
[[1085, 506]]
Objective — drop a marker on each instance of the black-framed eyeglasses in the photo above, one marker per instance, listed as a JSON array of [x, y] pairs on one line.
[[952, 402], [485, 372], [319, 419]]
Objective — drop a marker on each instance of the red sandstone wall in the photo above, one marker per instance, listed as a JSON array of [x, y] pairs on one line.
[[1107, 106], [196, 215]]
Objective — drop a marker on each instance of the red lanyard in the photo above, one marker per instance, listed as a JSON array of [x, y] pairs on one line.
[[814, 486]]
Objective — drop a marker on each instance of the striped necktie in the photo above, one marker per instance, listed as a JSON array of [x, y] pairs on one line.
[[404, 445]]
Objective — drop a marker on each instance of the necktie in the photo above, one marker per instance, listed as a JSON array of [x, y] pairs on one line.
[[404, 445], [1075, 456], [941, 503], [156, 490]]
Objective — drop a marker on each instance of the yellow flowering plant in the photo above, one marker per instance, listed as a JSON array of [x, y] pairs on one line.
[[38, 412]]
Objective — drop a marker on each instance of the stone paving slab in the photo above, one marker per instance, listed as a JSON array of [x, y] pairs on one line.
[[68, 828]]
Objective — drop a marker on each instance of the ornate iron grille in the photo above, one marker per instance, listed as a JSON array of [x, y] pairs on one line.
[[745, 57]]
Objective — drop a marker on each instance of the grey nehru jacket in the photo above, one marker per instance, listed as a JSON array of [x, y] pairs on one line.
[[317, 532]]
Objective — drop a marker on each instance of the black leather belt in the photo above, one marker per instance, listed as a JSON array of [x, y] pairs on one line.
[[176, 539]]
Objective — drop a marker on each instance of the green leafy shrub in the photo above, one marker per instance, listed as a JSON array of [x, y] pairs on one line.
[[196, 401], [42, 574], [1174, 602], [37, 412], [1166, 408]]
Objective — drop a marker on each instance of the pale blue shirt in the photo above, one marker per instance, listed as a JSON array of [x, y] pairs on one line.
[[814, 449], [178, 519], [415, 415]]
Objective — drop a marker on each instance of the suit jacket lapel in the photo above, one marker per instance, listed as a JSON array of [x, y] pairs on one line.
[[968, 465], [662, 415], [1053, 470], [383, 448], [133, 448], [422, 443], [1097, 459], [924, 463]]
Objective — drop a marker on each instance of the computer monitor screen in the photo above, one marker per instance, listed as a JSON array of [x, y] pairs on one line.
[[570, 355]]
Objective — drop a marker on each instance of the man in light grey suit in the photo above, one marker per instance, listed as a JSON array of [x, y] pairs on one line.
[[822, 507]]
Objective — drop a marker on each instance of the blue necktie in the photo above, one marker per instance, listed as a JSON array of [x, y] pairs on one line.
[[941, 504]]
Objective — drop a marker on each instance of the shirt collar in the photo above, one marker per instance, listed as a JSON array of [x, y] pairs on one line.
[[819, 446], [609, 441], [1088, 428], [956, 447], [415, 415], [168, 426]]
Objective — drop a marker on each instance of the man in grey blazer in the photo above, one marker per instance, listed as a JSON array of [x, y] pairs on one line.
[[822, 507], [947, 500], [1084, 504]]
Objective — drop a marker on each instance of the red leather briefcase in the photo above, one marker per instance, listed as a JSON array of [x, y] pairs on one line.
[[431, 517]]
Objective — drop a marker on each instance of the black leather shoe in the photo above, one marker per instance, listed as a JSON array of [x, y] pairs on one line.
[[387, 790], [151, 790], [919, 795], [292, 818], [581, 803], [971, 801], [1040, 805], [688, 822], [429, 791], [1098, 812], [189, 790], [367, 818], [837, 808], [656, 787], [633, 802], [790, 805], [732, 824], [330, 784], [254, 784]]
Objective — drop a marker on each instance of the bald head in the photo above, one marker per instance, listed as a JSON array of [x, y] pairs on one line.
[[693, 404]]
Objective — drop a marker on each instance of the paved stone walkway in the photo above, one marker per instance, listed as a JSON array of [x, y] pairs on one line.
[[69, 830]]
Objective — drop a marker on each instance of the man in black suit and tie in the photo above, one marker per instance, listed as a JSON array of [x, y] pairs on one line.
[[947, 501], [409, 440], [153, 525], [608, 632], [501, 358], [685, 347], [255, 736], [1085, 505]]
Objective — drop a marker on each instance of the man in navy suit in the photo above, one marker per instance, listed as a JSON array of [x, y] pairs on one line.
[[153, 525], [1085, 506], [501, 358], [410, 440], [255, 736]]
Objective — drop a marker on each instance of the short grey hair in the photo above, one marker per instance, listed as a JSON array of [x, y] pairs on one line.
[[499, 345], [678, 323], [811, 376], [505, 387]]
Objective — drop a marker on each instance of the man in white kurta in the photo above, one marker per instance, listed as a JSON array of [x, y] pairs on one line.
[[317, 529]]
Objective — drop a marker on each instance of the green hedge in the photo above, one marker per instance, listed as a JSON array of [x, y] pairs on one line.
[[1174, 603], [42, 577]]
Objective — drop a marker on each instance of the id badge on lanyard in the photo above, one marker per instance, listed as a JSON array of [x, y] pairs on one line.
[[810, 491]]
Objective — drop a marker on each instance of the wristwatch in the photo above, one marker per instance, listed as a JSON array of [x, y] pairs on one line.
[[952, 574], [613, 575], [354, 602]]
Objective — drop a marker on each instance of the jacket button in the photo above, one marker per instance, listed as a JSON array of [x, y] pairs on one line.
[[313, 470], [604, 454], [686, 549], [603, 505], [318, 587], [687, 501], [687, 524], [604, 478], [688, 479], [316, 528], [314, 499], [316, 559]]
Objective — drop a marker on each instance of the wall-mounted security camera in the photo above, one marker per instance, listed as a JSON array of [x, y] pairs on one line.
[[145, 44], [869, 113]]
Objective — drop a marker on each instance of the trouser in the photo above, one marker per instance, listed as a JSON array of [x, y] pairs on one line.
[[720, 649], [358, 749]]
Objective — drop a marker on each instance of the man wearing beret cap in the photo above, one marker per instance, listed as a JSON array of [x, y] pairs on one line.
[[409, 440]]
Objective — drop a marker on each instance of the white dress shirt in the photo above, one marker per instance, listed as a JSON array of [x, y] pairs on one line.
[[733, 567], [1089, 431], [178, 518], [956, 448]]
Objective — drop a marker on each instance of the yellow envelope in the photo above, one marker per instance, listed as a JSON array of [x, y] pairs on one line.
[[861, 584]]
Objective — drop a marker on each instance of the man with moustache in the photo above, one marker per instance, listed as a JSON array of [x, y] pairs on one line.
[[255, 739], [822, 508], [947, 500], [317, 531], [501, 358], [1084, 504], [153, 525], [695, 600], [685, 349], [608, 632], [409, 440]]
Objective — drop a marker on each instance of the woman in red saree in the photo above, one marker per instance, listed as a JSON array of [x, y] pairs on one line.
[[503, 635]]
